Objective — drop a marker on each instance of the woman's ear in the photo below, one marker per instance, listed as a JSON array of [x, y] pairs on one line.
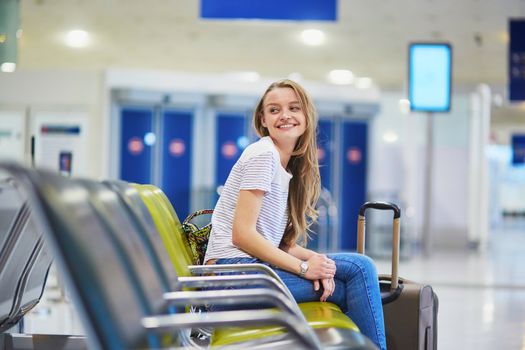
[[263, 121]]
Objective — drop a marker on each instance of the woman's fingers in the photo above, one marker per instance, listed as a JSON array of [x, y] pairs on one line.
[[316, 285], [328, 288]]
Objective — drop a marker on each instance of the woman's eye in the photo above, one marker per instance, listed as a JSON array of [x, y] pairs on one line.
[[295, 108], [273, 110]]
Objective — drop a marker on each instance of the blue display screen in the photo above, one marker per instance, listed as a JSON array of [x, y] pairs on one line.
[[430, 75]]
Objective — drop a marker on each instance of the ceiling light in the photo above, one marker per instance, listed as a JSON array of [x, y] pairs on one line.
[[497, 100], [390, 136], [298, 77], [77, 38], [312, 37], [341, 76], [246, 76], [363, 83], [8, 67]]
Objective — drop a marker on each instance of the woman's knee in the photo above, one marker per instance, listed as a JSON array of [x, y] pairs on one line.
[[360, 261]]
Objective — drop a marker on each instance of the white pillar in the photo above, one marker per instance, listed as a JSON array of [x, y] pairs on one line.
[[478, 210]]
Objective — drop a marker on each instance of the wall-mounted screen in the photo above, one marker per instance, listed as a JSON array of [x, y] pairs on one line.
[[430, 77]]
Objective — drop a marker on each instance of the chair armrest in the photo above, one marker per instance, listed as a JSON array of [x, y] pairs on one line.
[[302, 332], [238, 281], [256, 267], [235, 297]]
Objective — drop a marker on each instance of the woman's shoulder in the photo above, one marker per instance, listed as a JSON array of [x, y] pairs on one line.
[[262, 146]]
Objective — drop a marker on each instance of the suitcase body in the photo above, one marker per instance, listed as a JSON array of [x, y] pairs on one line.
[[410, 309]]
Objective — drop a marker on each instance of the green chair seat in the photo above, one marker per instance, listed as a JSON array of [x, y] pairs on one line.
[[319, 315]]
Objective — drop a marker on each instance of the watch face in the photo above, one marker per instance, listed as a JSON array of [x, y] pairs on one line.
[[304, 267]]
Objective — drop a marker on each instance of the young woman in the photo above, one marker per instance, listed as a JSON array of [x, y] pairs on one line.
[[268, 203]]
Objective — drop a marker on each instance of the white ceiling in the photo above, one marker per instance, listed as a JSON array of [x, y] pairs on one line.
[[370, 38]]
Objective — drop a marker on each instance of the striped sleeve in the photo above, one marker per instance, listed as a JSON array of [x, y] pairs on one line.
[[258, 172]]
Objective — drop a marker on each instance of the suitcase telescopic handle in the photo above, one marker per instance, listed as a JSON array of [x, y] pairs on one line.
[[395, 234]]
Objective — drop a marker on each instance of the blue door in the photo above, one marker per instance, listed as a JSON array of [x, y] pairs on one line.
[[353, 180], [177, 127], [231, 141], [135, 154]]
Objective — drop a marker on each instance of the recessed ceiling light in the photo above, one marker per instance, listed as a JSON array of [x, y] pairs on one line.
[[246, 76], [295, 76], [8, 67], [77, 38], [312, 37], [341, 76], [363, 83], [390, 136]]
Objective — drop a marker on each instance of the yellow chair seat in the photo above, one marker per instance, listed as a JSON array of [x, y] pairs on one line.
[[318, 315]]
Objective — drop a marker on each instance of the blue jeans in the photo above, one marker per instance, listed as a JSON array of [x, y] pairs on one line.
[[356, 291]]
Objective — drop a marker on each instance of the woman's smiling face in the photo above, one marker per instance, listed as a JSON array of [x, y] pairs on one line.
[[283, 115]]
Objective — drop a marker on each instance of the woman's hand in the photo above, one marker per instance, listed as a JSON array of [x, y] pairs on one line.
[[320, 267], [328, 287]]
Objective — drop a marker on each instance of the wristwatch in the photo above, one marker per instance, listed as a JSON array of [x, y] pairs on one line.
[[303, 267]]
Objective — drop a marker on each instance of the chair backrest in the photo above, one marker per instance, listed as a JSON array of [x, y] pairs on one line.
[[164, 202], [109, 302], [24, 259], [129, 244], [168, 227], [139, 214]]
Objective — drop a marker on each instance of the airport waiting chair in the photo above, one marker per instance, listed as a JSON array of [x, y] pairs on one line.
[[24, 260], [117, 312], [24, 265], [325, 318], [115, 215]]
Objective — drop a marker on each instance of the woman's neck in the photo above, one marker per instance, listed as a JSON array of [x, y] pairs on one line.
[[285, 151]]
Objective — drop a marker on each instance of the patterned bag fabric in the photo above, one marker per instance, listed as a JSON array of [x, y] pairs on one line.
[[197, 237]]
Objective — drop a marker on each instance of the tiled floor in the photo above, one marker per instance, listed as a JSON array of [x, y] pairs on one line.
[[481, 296]]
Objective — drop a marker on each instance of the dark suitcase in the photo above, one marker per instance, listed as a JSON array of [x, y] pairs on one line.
[[410, 308]]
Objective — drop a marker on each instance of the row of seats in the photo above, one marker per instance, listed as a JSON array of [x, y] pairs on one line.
[[122, 252]]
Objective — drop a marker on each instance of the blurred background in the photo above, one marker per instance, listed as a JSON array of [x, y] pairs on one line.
[[162, 92]]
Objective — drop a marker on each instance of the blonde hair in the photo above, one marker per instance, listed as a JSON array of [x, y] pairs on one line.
[[305, 185]]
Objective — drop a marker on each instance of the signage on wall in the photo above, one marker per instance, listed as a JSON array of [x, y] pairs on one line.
[[135, 146], [229, 149], [294, 10], [353, 155], [517, 59], [177, 147], [60, 140]]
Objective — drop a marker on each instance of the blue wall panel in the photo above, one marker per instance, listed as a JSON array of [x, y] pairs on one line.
[[135, 155], [353, 180], [177, 158], [231, 128]]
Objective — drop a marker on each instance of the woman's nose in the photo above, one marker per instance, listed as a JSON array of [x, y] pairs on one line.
[[285, 115]]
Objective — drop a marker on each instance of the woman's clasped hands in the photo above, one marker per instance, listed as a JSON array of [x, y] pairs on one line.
[[321, 270]]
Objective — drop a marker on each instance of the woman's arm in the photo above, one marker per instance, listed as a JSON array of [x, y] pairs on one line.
[[246, 237], [301, 252]]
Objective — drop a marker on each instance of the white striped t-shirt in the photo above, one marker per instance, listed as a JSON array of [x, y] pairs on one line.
[[258, 168]]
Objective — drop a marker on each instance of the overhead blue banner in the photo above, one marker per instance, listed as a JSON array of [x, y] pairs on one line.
[[517, 60], [292, 10], [518, 149]]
